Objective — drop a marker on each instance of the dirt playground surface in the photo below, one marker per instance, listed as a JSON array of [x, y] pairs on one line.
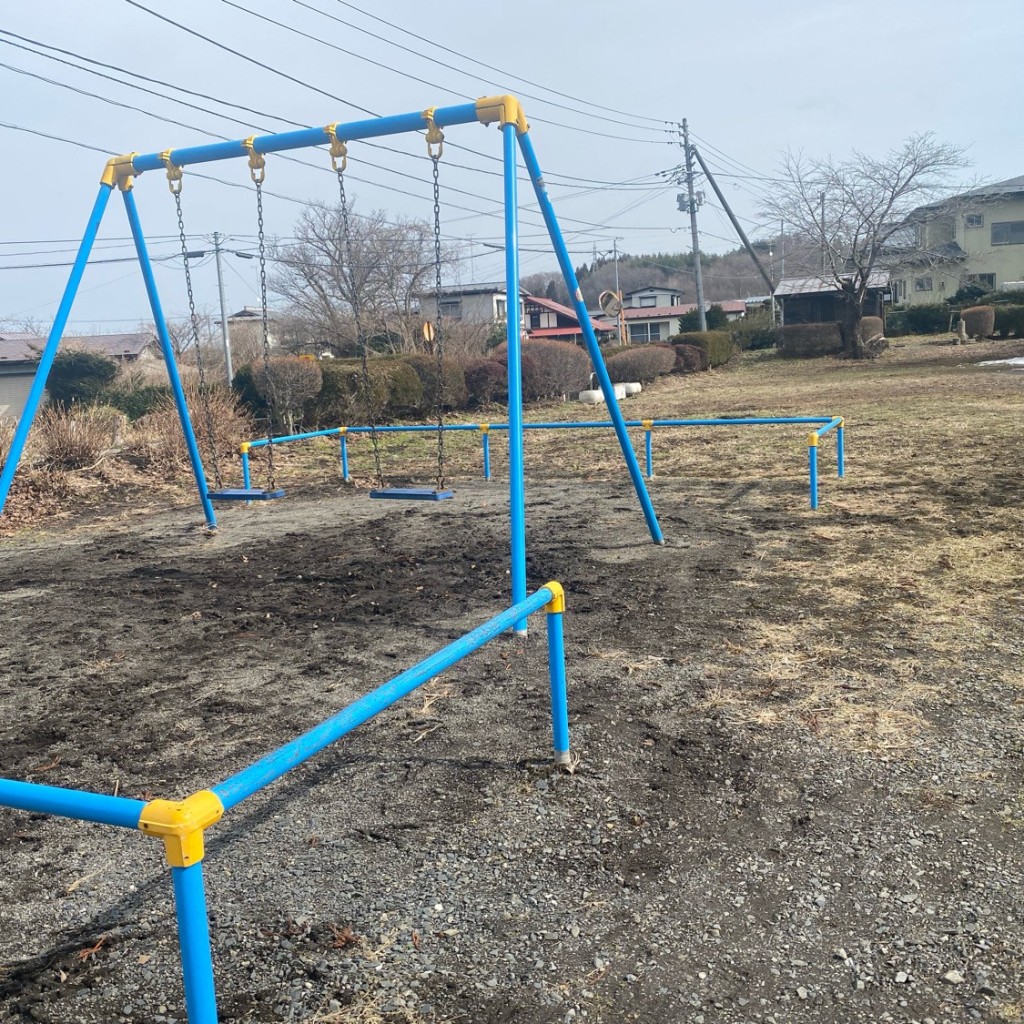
[[735, 844]]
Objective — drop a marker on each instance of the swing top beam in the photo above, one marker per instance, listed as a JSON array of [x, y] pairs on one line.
[[504, 110]]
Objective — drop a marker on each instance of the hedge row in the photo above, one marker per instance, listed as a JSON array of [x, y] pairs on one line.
[[803, 341], [717, 344]]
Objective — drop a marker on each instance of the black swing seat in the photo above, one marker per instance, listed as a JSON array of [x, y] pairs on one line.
[[411, 493], [244, 494]]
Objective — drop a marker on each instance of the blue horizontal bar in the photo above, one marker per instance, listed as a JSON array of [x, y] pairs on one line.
[[462, 113], [831, 426], [71, 803], [250, 780]]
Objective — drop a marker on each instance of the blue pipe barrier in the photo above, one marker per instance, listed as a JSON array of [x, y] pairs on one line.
[[812, 468], [486, 434], [841, 449], [556, 677], [194, 940], [238, 787], [648, 452], [35, 394], [71, 803], [246, 468], [516, 458], [343, 455], [168, 352], [596, 359]]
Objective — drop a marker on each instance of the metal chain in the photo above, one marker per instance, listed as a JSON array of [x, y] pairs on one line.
[[271, 482], [438, 333], [364, 371], [204, 396]]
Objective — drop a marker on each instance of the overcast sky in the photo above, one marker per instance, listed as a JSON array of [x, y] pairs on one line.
[[752, 78]]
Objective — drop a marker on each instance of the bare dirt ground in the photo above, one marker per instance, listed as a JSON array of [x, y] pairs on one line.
[[800, 742]]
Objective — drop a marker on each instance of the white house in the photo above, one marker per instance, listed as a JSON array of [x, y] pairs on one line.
[[473, 303]]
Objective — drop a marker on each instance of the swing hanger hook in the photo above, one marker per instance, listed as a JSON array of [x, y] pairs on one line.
[[173, 172], [435, 137], [257, 161], [339, 150]]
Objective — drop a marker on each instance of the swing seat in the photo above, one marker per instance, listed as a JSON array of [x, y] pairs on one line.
[[244, 494], [411, 493]]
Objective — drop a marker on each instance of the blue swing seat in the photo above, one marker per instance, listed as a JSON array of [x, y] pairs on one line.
[[411, 493], [244, 494]]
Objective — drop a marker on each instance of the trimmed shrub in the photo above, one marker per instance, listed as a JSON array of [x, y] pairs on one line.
[[486, 381], [715, 318], [136, 402], [78, 376], [394, 390], [288, 384], [691, 359], [1009, 320], [870, 326], [642, 363], [244, 386], [717, 344], [805, 341], [558, 367], [931, 318], [980, 321], [453, 382], [755, 335], [77, 437]]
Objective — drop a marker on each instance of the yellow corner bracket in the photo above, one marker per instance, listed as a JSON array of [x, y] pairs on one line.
[[647, 424], [812, 440], [485, 428], [243, 448], [181, 823], [119, 171], [557, 603], [503, 109]]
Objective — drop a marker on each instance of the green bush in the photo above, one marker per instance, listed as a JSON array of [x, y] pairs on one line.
[[244, 386], [641, 363], [717, 344], [1010, 320], [715, 318], [394, 390], [559, 367], [79, 377], [805, 341], [486, 381], [136, 402], [756, 336], [453, 381], [931, 318], [979, 321], [691, 359]]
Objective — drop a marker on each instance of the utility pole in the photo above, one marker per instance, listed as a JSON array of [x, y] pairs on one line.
[[821, 199], [782, 269], [622, 331], [695, 240], [223, 312]]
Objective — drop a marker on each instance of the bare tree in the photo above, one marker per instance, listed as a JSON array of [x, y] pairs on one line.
[[856, 211], [392, 263]]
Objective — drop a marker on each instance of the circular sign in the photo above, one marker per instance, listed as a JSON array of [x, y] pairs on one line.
[[610, 303]]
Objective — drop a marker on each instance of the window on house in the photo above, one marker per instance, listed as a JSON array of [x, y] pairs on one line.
[[1008, 232], [974, 220], [923, 284], [540, 321], [450, 308], [644, 333], [983, 280], [647, 301], [500, 308]]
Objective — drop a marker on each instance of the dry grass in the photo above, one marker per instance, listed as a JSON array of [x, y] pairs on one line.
[[78, 437]]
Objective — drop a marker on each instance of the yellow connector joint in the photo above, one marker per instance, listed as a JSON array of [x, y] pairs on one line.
[[342, 431], [244, 447], [812, 440], [557, 603], [503, 109], [647, 424], [842, 422], [119, 171], [485, 428], [181, 824]]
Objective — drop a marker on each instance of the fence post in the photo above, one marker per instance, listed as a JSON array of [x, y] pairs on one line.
[[485, 432], [648, 426], [841, 448], [342, 433], [556, 673]]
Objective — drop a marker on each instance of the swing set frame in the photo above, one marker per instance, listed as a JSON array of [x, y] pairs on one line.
[[505, 111]]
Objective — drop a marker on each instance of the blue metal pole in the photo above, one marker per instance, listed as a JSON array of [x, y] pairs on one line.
[[812, 467], [559, 699], [168, 353], [246, 471], [517, 481], [49, 352], [649, 453], [841, 450], [526, 145], [344, 459], [250, 780], [194, 939], [71, 803], [487, 454]]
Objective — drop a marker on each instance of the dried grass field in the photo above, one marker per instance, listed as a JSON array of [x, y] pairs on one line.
[[800, 742]]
